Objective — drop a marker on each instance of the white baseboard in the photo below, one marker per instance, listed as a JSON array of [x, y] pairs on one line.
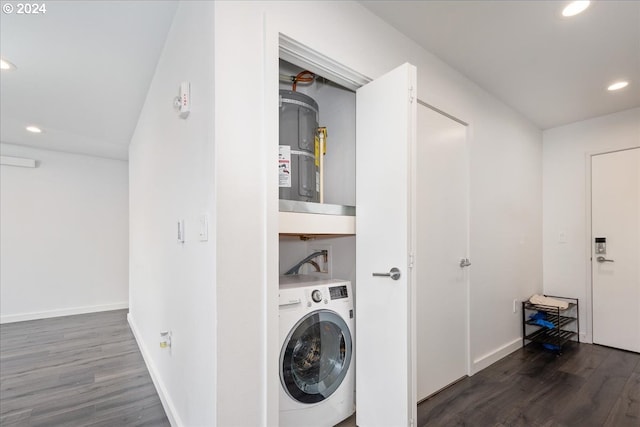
[[490, 358], [11, 318], [167, 403]]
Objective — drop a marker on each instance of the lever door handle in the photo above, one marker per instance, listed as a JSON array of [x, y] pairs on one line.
[[464, 262], [603, 259], [394, 273]]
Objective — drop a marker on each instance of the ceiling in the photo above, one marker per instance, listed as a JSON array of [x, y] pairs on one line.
[[83, 71], [553, 70], [84, 67]]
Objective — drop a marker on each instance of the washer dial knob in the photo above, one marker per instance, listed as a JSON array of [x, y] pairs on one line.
[[316, 296]]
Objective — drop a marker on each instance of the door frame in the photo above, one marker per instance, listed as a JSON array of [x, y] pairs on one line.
[[277, 44], [587, 336]]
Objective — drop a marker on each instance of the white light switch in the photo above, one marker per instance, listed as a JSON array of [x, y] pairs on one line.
[[562, 237], [180, 231], [204, 228]]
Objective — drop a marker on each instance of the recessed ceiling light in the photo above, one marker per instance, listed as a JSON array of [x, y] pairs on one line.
[[575, 7], [34, 129], [618, 85], [6, 65]]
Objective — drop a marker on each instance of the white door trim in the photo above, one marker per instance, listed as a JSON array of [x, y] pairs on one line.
[[303, 56], [278, 45], [587, 336]]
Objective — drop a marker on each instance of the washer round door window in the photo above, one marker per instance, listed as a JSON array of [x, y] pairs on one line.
[[315, 356]]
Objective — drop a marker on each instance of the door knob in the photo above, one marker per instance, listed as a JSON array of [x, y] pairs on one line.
[[464, 262], [603, 259], [394, 273]]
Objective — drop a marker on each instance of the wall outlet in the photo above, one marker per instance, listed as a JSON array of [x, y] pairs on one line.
[[165, 339], [324, 263]]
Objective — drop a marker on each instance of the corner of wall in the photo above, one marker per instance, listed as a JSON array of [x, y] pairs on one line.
[[172, 281], [161, 388], [488, 359]]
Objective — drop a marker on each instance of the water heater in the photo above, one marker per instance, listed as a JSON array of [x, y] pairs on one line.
[[299, 156]]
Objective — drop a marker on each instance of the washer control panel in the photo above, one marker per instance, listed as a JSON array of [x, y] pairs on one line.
[[335, 292], [309, 291], [338, 292]]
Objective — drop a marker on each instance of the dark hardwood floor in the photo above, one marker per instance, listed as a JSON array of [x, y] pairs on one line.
[[83, 370], [86, 370], [588, 385]]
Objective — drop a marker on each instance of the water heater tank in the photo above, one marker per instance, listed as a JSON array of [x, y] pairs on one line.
[[298, 165]]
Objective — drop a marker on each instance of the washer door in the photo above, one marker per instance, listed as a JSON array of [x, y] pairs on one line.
[[315, 356]]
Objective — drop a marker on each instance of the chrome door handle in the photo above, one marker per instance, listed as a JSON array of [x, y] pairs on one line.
[[394, 273], [464, 262], [603, 259]]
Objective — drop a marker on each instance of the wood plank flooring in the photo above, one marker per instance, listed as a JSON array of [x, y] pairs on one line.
[[86, 370], [588, 385], [83, 370]]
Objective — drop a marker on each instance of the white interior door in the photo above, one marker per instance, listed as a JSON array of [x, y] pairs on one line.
[[442, 193], [615, 216], [385, 319]]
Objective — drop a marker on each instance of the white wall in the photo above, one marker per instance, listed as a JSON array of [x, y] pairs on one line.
[[63, 245], [506, 186], [172, 285], [565, 154]]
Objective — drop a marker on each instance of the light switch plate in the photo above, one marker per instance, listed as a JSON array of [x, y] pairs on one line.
[[562, 237], [181, 231], [204, 228]]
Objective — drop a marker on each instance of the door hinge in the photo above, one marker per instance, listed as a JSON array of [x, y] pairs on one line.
[[411, 95], [411, 259]]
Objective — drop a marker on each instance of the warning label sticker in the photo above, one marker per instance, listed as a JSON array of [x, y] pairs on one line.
[[284, 166]]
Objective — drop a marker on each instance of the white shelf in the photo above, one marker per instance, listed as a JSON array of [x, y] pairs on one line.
[[302, 218]]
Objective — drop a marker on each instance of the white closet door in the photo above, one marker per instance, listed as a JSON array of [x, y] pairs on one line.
[[385, 316], [442, 242]]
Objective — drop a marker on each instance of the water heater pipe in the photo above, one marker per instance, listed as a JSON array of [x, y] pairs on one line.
[[296, 268], [322, 136]]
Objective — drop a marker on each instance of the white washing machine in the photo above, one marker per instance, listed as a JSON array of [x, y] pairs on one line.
[[317, 376]]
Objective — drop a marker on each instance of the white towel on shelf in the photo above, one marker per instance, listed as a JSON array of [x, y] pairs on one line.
[[542, 300]]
